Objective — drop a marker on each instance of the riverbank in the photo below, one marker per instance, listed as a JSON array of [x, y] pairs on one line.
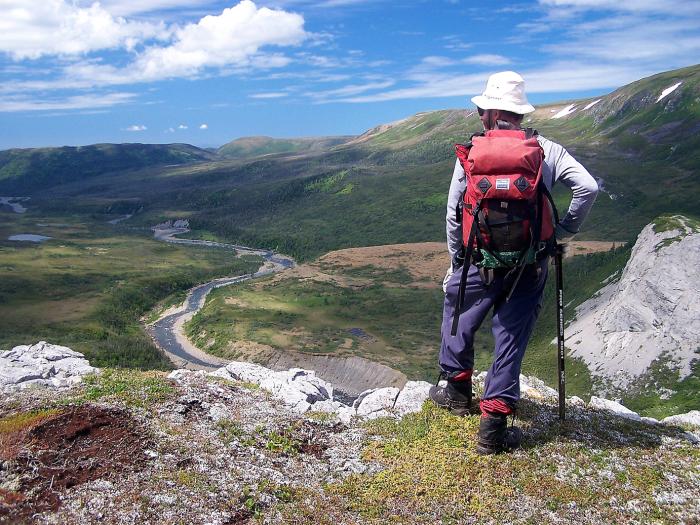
[[167, 331]]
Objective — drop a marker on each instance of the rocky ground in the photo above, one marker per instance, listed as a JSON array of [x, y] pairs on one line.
[[237, 447], [195, 450]]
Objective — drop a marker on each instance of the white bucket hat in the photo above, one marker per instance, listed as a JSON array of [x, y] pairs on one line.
[[506, 91]]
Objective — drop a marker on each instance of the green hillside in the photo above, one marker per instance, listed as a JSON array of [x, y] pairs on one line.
[[256, 146], [25, 171], [386, 185]]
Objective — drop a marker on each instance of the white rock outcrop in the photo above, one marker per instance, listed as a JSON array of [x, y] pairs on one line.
[[303, 391], [691, 418], [377, 402], [652, 312], [296, 387], [598, 403], [42, 364], [411, 397]]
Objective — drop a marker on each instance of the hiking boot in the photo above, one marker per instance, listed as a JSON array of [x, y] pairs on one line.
[[456, 396], [495, 436]]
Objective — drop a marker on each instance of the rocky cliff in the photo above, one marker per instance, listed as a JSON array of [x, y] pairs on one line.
[[649, 315]]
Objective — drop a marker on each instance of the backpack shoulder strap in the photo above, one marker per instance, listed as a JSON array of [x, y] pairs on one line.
[[529, 133]]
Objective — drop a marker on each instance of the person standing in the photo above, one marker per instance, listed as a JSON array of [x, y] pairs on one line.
[[515, 302]]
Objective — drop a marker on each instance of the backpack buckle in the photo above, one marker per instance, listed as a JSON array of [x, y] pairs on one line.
[[487, 275]]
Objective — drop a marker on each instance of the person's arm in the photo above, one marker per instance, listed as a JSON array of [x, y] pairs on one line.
[[453, 227], [583, 186]]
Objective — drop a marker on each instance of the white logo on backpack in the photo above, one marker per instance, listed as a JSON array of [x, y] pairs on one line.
[[502, 184]]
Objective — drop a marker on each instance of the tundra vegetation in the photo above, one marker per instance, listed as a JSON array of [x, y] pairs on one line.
[[155, 447]]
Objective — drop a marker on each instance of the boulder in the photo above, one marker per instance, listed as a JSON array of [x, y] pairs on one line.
[[42, 364], [689, 418], [616, 408], [241, 371], [296, 387], [378, 402], [411, 397], [343, 412], [535, 388], [576, 401]]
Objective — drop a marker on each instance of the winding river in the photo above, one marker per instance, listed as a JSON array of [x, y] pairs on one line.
[[168, 331]]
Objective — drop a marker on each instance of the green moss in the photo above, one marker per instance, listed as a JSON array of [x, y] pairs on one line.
[[229, 430], [23, 420], [320, 417], [430, 469], [139, 389], [281, 443], [666, 223]]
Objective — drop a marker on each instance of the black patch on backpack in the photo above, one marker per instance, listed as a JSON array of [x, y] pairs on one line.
[[484, 185], [522, 184]]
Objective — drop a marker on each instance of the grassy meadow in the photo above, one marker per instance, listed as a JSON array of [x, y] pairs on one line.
[[89, 285]]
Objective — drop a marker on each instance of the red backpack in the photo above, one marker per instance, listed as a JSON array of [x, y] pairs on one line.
[[507, 211]]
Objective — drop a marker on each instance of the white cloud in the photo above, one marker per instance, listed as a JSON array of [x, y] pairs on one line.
[[436, 61], [136, 127], [269, 95], [21, 103], [559, 77], [31, 29], [348, 91], [635, 6], [487, 60], [229, 42], [455, 43], [628, 40], [182, 126], [204, 126], [232, 38], [130, 7]]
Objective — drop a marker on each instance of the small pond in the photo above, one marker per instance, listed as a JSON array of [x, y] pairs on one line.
[[30, 237]]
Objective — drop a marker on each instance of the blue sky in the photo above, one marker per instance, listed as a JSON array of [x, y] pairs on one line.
[[205, 72]]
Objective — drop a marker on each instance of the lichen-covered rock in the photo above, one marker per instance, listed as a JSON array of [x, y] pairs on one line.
[[689, 418], [616, 408], [298, 388], [42, 364], [343, 413], [377, 403], [411, 397], [576, 401], [535, 388]]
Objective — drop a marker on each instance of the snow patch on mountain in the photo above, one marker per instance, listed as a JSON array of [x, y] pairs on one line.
[[591, 104], [568, 110], [668, 91], [651, 313]]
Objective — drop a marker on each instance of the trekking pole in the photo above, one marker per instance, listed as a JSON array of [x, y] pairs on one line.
[[558, 256]]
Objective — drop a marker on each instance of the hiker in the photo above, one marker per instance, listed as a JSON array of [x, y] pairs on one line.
[[513, 289]]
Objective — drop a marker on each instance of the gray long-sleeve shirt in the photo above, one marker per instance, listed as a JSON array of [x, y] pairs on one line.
[[559, 165]]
